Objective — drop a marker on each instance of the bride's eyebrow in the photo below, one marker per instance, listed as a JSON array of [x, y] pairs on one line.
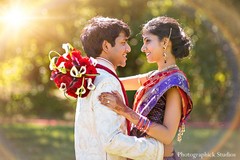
[[144, 38]]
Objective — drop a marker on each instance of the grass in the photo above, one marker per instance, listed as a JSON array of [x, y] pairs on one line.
[[57, 142], [40, 142], [199, 143]]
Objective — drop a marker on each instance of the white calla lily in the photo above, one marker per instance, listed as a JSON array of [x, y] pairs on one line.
[[82, 70], [90, 85], [65, 56], [74, 71], [80, 91], [52, 64], [63, 86], [93, 61], [67, 47], [62, 68]]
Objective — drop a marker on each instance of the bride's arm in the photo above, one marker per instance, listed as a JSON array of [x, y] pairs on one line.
[[134, 82], [164, 133]]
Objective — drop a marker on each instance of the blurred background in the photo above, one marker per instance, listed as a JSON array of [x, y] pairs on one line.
[[36, 120]]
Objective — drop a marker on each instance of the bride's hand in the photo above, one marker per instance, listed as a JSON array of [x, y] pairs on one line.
[[113, 100]]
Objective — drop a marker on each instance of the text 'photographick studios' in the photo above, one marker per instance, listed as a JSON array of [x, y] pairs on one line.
[[207, 155]]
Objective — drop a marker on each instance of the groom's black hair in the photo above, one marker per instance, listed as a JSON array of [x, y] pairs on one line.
[[99, 29]]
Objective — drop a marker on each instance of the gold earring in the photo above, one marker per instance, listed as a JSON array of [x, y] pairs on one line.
[[164, 54], [165, 47]]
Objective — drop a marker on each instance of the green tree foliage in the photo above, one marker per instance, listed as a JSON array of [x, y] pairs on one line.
[[24, 55]]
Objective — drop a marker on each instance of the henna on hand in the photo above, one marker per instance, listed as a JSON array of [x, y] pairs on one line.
[[113, 101]]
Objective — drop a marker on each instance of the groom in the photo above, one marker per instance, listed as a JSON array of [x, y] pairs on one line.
[[100, 133]]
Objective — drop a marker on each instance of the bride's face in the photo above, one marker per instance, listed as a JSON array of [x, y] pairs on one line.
[[152, 47]]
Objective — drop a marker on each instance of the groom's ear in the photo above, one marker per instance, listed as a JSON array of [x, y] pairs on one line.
[[105, 46]]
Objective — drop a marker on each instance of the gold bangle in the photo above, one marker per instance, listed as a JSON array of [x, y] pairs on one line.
[[139, 81]]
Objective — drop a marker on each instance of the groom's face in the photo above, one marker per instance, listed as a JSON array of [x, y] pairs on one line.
[[118, 52]]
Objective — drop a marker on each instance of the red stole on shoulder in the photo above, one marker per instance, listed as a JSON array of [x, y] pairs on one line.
[[148, 84], [145, 100], [122, 87]]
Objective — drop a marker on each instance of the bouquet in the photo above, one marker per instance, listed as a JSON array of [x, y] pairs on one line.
[[72, 73]]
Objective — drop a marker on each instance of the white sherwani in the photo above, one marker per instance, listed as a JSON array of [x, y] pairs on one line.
[[100, 133]]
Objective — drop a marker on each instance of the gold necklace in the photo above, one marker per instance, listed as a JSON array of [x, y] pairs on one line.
[[168, 67]]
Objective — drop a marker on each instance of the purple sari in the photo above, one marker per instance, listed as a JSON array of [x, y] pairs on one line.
[[150, 99]]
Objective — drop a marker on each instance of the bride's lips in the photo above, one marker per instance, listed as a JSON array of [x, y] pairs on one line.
[[147, 54]]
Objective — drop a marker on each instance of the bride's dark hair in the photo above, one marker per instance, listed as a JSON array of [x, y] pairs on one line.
[[162, 26]]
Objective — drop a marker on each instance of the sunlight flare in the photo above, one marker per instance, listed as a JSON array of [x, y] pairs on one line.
[[16, 17]]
